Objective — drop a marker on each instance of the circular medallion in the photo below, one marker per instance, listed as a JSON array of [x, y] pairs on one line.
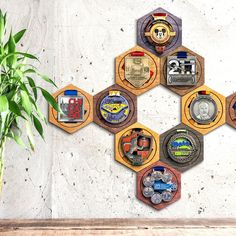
[[114, 108], [203, 109], [148, 191], [181, 147]]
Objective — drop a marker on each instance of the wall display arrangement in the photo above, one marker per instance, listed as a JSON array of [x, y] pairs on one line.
[[159, 59]]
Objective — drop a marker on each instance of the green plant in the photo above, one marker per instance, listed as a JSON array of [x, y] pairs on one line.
[[19, 92]]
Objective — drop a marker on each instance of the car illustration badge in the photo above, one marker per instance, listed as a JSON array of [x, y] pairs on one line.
[[72, 107], [159, 185], [203, 108], [159, 31], [137, 69], [181, 146], [137, 147], [114, 108], [181, 70]]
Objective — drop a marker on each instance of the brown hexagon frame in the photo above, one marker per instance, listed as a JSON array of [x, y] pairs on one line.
[[115, 128], [154, 155], [230, 111], [147, 170], [165, 157], [154, 63], [185, 113], [72, 127], [182, 90]]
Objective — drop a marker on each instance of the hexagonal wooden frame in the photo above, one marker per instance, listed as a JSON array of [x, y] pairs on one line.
[[154, 156], [115, 128], [120, 72], [72, 127], [182, 90], [230, 112], [164, 138], [185, 113], [147, 170], [172, 19]]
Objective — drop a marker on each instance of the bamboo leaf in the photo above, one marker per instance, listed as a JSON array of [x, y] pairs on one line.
[[30, 135], [50, 99], [47, 79], [18, 140], [38, 126], [4, 105], [33, 87], [26, 104], [11, 50], [19, 35]]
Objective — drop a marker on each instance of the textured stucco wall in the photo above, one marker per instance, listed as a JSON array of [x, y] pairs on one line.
[[76, 175]]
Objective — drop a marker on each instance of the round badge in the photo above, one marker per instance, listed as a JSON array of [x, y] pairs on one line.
[[114, 108], [181, 147], [148, 191], [203, 109]]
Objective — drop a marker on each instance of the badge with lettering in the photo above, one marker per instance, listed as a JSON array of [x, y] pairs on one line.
[[137, 146], [159, 185], [137, 69], [181, 70], [114, 108], [72, 107], [182, 146], [203, 108]]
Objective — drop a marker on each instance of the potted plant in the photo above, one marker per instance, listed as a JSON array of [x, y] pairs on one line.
[[19, 92]]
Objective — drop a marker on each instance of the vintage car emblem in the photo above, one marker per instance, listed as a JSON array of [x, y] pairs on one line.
[[182, 146], [114, 107], [137, 146], [137, 69], [181, 70], [159, 185], [159, 32], [203, 108], [72, 107]]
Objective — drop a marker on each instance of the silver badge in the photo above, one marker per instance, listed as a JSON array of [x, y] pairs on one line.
[[148, 181], [166, 196], [148, 191], [156, 198], [203, 109]]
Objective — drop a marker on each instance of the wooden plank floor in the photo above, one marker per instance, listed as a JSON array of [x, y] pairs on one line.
[[119, 226]]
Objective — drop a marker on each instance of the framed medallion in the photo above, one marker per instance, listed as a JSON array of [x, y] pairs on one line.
[[137, 70], [159, 32], [231, 110], [181, 147], [115, 108], [137, 147], [158, 185], [76, 106], [182, 70], [203, 109]]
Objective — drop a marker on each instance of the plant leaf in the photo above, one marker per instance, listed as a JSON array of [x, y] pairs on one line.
[[50, 99], [33, 86], [11, 50], [38, 126], [26, 104], [46, 78], [4, 105], [30, 135], [19, 35]]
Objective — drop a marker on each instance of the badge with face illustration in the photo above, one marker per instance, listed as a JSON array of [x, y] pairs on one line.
[[114, 108], [137, 69], [72, 107], [203, 108], [137, 146], [159, 32], [182, 146], [181, 70]]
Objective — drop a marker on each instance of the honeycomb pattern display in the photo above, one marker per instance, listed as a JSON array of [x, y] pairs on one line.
[[159, 59]]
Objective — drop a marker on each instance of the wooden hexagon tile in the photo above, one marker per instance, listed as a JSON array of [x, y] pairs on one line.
[[137, 70], [115, 108], [231, 110], [158, 185], [77, 107], [182, 70], [203, 109], [137, 147]]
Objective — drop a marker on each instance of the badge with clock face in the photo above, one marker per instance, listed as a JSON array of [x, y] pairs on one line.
[[114, 108], [137, 69], [203, 108], [72, 107], [181, 70]]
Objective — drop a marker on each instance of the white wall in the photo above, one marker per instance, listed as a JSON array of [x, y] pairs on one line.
[[76, 175]]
